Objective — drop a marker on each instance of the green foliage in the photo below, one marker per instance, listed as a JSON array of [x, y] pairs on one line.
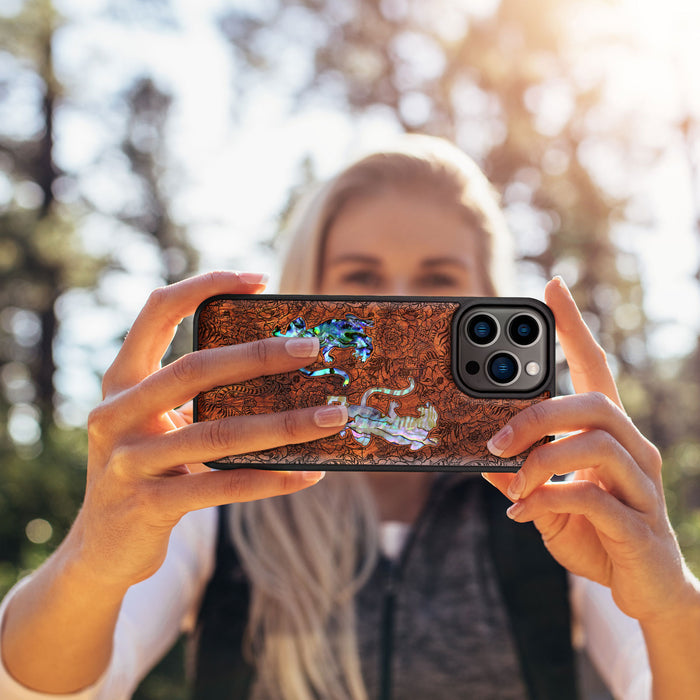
[[43, 481], [42, 259]]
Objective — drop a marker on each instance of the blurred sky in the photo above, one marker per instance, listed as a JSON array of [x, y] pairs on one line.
[[231, 176]]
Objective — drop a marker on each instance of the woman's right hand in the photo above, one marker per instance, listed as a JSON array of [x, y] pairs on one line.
[[145, 463]]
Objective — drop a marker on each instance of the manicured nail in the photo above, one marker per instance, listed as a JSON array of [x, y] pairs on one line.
[[560, 281], [331, 416], [516, 486], [302, 347], [515, 510], [500, 442], [253, 277], [313, 477]]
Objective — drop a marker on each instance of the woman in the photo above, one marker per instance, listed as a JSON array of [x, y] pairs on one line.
[[418, 221]]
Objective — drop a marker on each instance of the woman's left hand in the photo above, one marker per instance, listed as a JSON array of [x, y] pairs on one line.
[[609, 523]]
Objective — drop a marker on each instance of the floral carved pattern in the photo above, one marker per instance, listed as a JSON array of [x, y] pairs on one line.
[[410, 344]]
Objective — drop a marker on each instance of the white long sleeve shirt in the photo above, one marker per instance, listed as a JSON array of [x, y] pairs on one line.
[[156, 611]]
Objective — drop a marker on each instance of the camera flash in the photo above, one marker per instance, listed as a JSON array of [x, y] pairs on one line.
[[532, 368]]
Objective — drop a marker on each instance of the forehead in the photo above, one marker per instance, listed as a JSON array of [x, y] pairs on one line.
[[403, 224]]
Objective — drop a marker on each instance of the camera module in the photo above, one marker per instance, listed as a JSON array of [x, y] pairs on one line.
[[503, 347], [524, 330], [503, 368], [482, 329]]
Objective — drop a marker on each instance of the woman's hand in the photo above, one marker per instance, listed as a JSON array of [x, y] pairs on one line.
[[145, 472], [145, 458], [609, 523]]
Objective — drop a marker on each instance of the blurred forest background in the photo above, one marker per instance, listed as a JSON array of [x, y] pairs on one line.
[[585, 115]]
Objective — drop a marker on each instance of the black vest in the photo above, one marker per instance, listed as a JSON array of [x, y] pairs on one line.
[[533, 588]]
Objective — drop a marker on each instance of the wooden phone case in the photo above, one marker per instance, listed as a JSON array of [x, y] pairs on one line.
[[390, 360]]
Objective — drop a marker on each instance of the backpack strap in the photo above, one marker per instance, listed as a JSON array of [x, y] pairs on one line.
[[221, 671], [535, 592]]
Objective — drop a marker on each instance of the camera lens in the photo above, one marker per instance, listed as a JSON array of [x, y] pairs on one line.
[[524, 330], [482, 329], [503, 368]]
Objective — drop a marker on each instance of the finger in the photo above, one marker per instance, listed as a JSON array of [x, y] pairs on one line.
[[202, 370], [594, 449], [180, 418], [153, 330], [183, 415], [214, 488], [501, 480], [608, 515], [212, 440], [587, 361], [567, 414], [585, 557]]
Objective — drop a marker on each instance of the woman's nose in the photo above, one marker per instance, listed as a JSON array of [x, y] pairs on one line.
[[399, 287]]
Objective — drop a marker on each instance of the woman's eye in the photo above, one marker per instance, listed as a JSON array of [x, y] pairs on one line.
[[438, 280], [362, 278]]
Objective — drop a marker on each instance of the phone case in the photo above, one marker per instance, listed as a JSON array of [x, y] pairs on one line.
[[393, 361]]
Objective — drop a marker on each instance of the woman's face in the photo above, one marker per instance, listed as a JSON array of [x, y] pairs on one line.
[[400, 243]]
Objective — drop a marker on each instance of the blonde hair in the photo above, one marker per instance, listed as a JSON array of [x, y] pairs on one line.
[[307, 554]]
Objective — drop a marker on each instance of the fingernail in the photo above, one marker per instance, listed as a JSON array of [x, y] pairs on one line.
[[302, 347], [515, 510], [253, 277], [498, 444], [516, 486], [331, 416], [313, 477], [560, 281]]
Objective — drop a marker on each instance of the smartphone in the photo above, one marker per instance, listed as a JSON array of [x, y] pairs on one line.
[[426, 380]]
